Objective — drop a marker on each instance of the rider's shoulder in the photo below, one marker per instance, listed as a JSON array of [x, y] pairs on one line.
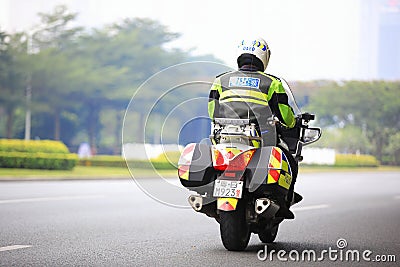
[[221, 74], [271, 76]]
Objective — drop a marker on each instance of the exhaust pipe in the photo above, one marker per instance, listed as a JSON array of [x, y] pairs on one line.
[[196, 202], [266, 208]]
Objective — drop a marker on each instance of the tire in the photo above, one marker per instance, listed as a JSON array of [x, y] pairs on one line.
[[234, 230], [269, 234]]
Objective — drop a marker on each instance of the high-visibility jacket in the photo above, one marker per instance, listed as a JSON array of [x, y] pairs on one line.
[[249, 94]]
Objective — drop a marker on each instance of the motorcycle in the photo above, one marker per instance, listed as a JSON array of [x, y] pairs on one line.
[[245, 179]]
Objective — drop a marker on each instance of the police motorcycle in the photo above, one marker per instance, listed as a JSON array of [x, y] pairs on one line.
[[244, 178]]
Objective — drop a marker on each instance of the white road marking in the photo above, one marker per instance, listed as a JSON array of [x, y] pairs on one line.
[[314, 207], [41, 199], [14, 247]]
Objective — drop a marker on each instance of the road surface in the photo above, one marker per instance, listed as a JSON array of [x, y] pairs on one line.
[[114, 223]]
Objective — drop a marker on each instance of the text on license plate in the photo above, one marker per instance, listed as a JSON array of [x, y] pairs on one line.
[[224, 188]]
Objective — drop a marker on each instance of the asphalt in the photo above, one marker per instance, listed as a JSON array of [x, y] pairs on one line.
[[122, 223]]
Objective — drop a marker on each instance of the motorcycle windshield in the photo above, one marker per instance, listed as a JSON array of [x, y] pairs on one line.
[[291, 100]]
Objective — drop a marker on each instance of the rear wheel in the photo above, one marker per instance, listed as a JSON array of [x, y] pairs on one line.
[[268, 235], [235, 232]]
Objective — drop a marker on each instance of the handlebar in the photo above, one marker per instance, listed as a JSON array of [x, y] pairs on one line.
[[307, 117]]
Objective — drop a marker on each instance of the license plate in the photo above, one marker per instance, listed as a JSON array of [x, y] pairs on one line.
[[224, 188]]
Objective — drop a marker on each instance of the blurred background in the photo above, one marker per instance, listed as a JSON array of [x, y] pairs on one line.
[[68, 69]]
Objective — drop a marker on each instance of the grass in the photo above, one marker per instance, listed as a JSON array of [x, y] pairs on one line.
[[82, 172]]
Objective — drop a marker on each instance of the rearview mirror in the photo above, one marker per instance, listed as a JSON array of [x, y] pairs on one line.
[[310, 135]]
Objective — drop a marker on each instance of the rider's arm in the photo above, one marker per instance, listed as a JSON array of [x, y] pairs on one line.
[[213, 99], [278, 101]]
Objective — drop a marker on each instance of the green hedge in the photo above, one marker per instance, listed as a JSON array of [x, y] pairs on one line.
[[36, 154], [33, 146], [118, 161], [39, 160], [352, 160]]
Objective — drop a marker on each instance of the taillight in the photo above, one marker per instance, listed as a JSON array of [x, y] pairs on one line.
[[220, 161], [240, 162], [229, 162]]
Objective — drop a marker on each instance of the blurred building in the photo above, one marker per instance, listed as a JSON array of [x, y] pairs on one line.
[[380, 39], [389, 40]]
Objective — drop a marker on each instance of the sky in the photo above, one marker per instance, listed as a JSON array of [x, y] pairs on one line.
[[309, 39]]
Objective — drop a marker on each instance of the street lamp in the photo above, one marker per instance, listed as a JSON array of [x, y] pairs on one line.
[[28, 93], [29, 51]]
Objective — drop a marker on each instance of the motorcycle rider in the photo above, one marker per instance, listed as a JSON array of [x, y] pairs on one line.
[[251, 93]]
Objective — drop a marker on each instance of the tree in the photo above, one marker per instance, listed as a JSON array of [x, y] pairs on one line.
[[393, 149], [12, 78], [373, 107], [53, 66], [130, 52], [83, 80]]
